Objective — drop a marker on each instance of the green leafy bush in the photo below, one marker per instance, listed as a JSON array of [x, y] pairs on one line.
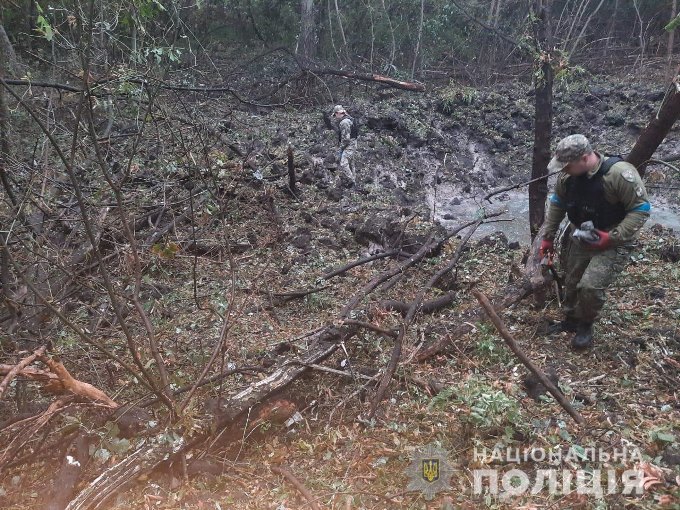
[[490, 410]]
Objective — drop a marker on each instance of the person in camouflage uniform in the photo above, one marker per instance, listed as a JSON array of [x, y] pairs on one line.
[[348, 143], [608, 192]]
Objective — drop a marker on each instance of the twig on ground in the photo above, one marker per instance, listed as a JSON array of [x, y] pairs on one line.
[[297, 484], [367, 325]]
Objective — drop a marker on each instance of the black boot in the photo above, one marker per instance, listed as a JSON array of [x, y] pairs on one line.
[[567, 324], [583, 338]]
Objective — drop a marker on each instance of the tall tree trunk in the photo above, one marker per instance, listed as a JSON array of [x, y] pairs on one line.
[[370, 16], [342, 30], [489, 19], [9, 58], [420, 35], [538, 191], [641, 57], [671, 33], [393, 50], [497, 14], [251, 17], [584, 26], [307, 44], [658, 127], [133, 37], [610, 31], [7, 64], [330, 30], [7, 61], [575, 20]]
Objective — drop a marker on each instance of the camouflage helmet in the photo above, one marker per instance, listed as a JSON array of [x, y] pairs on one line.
[[569, 149], [338, 109]]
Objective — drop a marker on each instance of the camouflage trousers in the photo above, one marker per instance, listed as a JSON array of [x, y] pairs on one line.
[[347, 161], [587, 274]]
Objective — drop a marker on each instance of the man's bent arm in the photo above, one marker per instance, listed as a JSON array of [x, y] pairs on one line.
[[633, 195]]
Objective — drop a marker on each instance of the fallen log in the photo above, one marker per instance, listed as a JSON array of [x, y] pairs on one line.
[[376, 78]]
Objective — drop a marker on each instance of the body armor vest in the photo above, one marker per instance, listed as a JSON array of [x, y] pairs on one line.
[[586, 200]]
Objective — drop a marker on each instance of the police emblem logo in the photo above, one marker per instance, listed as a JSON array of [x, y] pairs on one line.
[[429, 471], [628, 175]]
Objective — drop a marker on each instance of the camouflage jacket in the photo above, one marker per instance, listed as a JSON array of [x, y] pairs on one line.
[[345, 131], [622, 184]]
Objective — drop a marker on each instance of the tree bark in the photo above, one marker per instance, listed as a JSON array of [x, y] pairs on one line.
[[420, 35], [538, 191], [492, 9], [291, 170], [308, 42], [342, 30], [657, 129], [7, 62], [671, 33], [9, 57], [497, 14]]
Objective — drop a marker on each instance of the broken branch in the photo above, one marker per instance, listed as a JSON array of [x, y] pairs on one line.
[[77, 387], [19, 367], [297, 484], [498, 323]]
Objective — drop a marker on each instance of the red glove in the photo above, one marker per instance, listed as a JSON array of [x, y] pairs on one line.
[[602, 243], [547, 248]]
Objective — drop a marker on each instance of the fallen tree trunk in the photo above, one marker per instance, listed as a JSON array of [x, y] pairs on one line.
[[377, 78], [322, 345], [658, 127]]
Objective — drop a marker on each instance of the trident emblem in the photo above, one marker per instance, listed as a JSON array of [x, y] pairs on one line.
[[430, 470]]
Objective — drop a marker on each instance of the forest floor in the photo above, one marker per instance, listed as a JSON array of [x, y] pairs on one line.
[[421, 157]]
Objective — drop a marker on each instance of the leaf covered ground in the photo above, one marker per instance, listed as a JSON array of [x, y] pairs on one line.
[[470, 397]]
